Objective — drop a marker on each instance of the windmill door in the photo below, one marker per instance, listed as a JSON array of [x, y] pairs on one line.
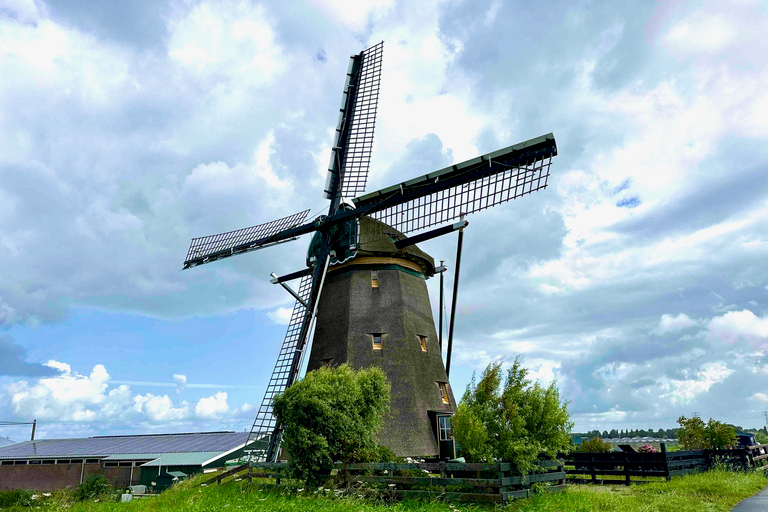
[[445, 437]]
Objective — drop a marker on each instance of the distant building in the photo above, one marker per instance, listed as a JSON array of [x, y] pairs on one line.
[[49, 464], [638, 440]]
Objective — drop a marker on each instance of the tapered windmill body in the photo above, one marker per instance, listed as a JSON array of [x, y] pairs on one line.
[[363, 290]]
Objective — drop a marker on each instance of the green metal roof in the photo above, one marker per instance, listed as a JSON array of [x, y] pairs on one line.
[[182, 459], [131, 456]]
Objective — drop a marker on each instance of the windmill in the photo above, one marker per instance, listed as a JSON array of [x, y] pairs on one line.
[[374, 307]]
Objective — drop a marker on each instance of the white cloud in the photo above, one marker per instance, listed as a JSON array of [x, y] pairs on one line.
[[669, 323], [682, 391], [760, 397], [62, 367], [73, 397], [231, 39], [68, 397], [701, 32], [181, 382], [740, 326], [212, 406], [353, 15], [281, 315], [160, 408]]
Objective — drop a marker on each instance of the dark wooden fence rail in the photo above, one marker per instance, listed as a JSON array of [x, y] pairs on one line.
[[443, 480], [588, 466]]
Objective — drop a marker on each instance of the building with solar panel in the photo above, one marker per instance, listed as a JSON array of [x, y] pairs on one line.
[[50, 464]]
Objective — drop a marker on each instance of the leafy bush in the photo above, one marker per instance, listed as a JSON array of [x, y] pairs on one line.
[[647, 448], [332, 415], [94, 487], [694, 434], [16, 497], [514, 423], [595, 445]]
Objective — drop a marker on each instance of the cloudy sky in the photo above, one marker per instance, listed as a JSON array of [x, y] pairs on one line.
[[638, 279]]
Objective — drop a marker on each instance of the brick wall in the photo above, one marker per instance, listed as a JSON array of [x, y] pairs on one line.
[[50, 477]]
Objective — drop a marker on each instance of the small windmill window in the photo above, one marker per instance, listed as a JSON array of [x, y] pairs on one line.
[[444, 425], [376, 339], [374, 278], [423, 341], [443, 387]]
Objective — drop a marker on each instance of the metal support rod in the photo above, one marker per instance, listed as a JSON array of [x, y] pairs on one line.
[[440, 307], [429, 235], [453, 303], [34, 424], [290, 277], [275, 280], [319, 274]]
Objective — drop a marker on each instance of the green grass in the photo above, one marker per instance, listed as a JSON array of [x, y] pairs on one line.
[[703, 492], [711, 491]]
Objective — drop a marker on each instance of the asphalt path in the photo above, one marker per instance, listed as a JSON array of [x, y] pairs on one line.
[[757, 503]]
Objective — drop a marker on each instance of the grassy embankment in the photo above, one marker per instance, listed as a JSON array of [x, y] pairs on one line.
[[711, 491]]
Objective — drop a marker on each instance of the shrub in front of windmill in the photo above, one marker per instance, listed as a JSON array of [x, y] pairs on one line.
[[332, 414], [513, 422]]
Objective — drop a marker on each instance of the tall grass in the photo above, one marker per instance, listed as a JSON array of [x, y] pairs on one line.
[[713, 491]]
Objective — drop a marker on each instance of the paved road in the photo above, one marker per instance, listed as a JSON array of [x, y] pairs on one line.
[[757, 503]]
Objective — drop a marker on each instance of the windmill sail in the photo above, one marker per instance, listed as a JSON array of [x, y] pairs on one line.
[[282, 375], [353, 143], [443, 196], [210, 248]]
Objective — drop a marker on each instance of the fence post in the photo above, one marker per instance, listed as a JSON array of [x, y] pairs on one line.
[[443, 474], [663, 447], [592, 469], [502, 489], [626, 468]]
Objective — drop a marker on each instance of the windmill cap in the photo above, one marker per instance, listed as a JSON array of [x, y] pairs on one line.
[[378, 239]]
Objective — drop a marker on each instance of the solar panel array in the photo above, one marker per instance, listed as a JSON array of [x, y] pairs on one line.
[[449, 204], [242, 240], [98, 446], [359, 143], [265, 421]]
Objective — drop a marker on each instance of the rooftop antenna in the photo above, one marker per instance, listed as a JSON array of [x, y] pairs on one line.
[[14, 423]]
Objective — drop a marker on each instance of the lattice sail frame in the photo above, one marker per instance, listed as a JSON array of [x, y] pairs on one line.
[[448, 205], [496, 182], [265, 422], [359, 143], [212, 247]]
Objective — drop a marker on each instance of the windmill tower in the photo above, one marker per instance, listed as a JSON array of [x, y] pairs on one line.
[[363, 288]]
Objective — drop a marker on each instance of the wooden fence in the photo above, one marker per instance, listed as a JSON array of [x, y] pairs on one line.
[[589, 466], [759, 456], [442, 480], [497, 482]]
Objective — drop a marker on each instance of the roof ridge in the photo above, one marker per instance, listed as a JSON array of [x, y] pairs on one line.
[[171, 434]]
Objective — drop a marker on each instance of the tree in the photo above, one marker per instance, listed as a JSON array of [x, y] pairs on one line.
[[512, 423], [720, 435], [694, 434], [595, 445], [332, 415]]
